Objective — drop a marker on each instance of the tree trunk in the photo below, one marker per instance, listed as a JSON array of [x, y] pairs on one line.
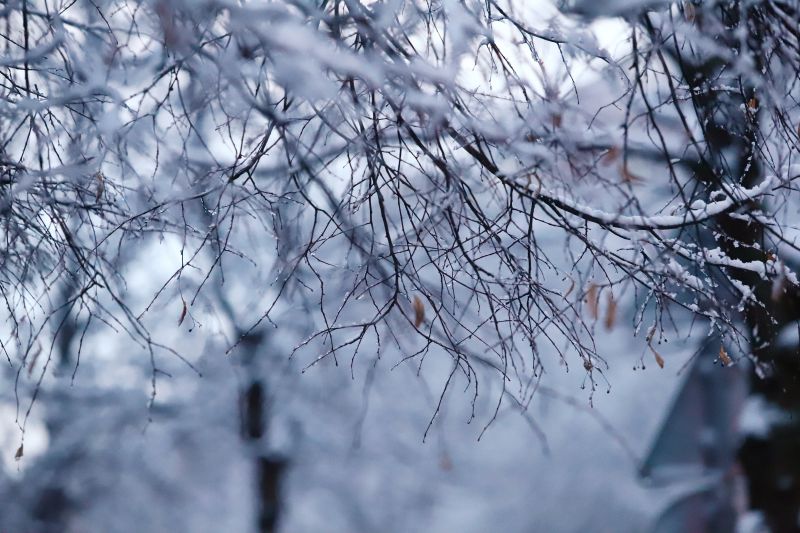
[[255, 419]]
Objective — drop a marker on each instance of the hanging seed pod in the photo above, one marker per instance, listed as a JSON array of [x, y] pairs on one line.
[[724, 357], [611, 312], [183, 312], [591, 300], [419, 311], [659, 359], [689, 12]]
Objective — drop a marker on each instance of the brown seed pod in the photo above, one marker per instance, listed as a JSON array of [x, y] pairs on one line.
[[724, 357], [591, 300], [659, 359], [611, 312], [611, 156], [689, 11], [419, 311], [183, 312]]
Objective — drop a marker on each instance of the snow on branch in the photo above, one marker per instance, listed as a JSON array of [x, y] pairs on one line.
[[697, 213]]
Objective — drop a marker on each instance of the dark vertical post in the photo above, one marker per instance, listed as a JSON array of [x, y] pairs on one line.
[[255, 419]]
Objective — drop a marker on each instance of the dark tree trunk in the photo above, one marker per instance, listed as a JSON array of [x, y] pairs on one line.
[[255, 421], [731, 120]]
